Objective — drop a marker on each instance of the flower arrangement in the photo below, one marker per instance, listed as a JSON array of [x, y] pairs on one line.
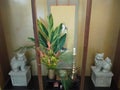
[[51, 41], [49, 59]]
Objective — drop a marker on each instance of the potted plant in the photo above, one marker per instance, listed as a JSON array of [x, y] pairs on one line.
[[51, 41]]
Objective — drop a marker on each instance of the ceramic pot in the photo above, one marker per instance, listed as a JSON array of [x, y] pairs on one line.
[[51, 73]]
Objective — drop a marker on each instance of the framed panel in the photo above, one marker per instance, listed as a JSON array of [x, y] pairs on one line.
[[64, 8], [68, 19]]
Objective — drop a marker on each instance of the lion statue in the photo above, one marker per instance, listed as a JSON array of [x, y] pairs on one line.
[[107, 65], [18, 62], [101, 64]]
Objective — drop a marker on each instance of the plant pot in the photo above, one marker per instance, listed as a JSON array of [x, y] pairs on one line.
[[51, 74]]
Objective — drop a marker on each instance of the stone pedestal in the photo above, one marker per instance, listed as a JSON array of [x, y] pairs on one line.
[[20, 78], [101, 79]]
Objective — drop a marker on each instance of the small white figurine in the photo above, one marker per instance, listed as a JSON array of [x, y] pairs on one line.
[[18, 62], [101, 64]]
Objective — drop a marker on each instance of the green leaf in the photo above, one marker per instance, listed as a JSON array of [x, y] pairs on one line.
[[25, 47], [58, 29], [52, 37], [58, 43], [42, 40], [56, 34], [44, 35], [55, 46], [50, 21], [32, 39], [42, 27], [62, 41]]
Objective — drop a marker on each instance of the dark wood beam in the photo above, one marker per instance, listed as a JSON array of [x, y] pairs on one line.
[[116, 63], [4, 59], [86, 39], [34, 17]]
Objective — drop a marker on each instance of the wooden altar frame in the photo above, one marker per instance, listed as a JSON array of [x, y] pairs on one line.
[[35, 29], [85, 46], [86, 40]]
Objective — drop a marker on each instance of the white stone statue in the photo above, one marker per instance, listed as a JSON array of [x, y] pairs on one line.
[[101, 64], [107, 65], [99, 61], [18, 62]]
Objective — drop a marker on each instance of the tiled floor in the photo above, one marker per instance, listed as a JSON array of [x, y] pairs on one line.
[[33, 85]]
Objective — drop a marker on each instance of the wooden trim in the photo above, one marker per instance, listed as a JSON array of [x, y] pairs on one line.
[[33, 5], [4, 60], [86, 38], [56, 2], [1, 78], [118, 85], [116, 63]]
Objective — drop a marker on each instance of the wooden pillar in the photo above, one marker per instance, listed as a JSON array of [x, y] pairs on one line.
[[1, 78], [33, 5], [4, 60], [86, 38], [116, 64]]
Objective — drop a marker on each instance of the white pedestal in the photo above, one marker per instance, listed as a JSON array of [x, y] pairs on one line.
[[101, 79], [20, 78]]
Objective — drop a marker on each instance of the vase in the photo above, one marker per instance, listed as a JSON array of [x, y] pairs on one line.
[[51, 74]]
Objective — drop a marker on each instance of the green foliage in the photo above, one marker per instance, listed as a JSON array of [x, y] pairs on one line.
[[67, 57], [50, 21], [51, 40], [66, 83], [25, 48], [65, 79], [50, 60], [49, 34]]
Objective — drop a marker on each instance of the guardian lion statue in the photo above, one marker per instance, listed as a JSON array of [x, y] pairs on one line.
[[18, 62], [101, 64]]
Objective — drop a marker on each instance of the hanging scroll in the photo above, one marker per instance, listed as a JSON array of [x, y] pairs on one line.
[[66, 11], [66, 15]]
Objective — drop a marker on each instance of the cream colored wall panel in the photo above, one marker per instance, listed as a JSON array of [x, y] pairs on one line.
[[17, 21], [41, 8]]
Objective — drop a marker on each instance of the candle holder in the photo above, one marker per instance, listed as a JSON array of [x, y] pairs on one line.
[[74, 76]]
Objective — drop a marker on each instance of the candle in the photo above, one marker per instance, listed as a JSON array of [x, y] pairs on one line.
[[74, 51]]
